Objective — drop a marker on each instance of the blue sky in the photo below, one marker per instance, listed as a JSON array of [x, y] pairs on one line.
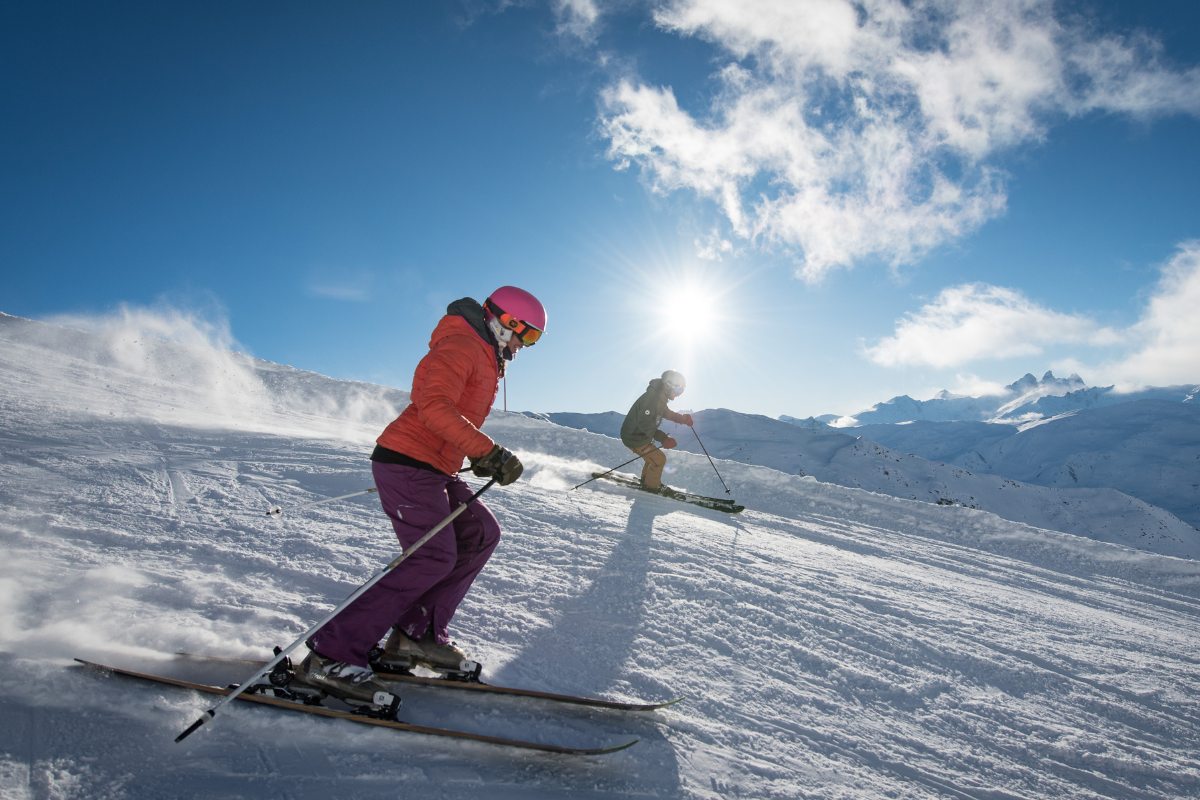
[[805, 207]]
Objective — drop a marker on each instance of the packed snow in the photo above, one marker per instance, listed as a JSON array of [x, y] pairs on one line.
[[829, 642]]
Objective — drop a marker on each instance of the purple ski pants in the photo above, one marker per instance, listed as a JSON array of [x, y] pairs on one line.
[[423, 592]]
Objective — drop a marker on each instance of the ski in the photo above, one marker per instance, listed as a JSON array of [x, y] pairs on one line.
[[358, 717], [714, 503], [475, 686], [537, 694]]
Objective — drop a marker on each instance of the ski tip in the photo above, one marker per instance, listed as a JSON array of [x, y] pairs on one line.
[[616, 748], [653, 706]]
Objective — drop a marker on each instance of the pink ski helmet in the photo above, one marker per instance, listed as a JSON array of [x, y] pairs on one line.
[[519, 311]]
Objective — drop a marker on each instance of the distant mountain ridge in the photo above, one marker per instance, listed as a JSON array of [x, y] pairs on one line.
[[1026, 400], [1149, 449], [1055, 432]]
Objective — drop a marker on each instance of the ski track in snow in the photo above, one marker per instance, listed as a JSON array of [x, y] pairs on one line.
[[829, 642]]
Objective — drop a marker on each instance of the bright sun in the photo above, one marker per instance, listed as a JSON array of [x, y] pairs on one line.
[[692, 311], [683, 307], [689, 313]]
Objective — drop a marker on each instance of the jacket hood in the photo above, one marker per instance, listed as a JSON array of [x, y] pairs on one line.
[[656, 385], [470, 311]]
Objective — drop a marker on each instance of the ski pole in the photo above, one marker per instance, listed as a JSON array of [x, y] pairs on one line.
[[602, 474], [714, 466], [212, 712], [276, 510]]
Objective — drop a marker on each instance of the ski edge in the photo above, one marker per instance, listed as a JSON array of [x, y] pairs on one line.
[[333, 713], [481, 687]]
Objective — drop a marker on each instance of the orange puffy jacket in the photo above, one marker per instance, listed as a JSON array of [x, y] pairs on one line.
[[453, 389]]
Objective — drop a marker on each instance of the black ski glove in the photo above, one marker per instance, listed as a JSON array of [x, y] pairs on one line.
[[498, 463]]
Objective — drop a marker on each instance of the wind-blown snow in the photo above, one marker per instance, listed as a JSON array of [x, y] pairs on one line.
[[831, 642]]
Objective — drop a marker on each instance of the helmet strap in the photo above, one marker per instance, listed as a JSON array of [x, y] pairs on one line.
[[503, 337], [502, 334]]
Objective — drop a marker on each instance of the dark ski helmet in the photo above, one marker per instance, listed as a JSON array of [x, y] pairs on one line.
[[517, 312]]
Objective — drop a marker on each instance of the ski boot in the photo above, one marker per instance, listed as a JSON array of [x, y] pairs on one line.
[[356, 686], [401, 653]]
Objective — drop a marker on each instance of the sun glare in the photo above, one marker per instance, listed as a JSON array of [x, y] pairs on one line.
[[681, 309], [692, 309], [690, 314]]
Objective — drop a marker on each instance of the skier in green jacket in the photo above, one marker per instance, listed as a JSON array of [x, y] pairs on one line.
[[640, 430]]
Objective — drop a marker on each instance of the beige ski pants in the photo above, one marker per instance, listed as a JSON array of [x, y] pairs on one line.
[[652, 467]]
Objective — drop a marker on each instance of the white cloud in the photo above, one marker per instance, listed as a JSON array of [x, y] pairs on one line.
[[351, 287], [1166, 340], [577, 18], [353, 294], [969, 385], [847, 130], [975, 322], [712, 247], [978, 322], [1124, 74]]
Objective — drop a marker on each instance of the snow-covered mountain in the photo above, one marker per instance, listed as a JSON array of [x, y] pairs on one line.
[[829, 642], [1024, 401], [1149, 449], [1145, 444]]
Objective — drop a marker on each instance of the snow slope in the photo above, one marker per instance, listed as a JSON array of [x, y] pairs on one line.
[[1054, 432], [1149, 449], [831, 642]]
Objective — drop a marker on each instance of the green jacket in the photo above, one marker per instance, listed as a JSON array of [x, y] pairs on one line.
[[645, 415]]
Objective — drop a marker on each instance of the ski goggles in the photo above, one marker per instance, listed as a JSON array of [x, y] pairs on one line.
[[522, 330]]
